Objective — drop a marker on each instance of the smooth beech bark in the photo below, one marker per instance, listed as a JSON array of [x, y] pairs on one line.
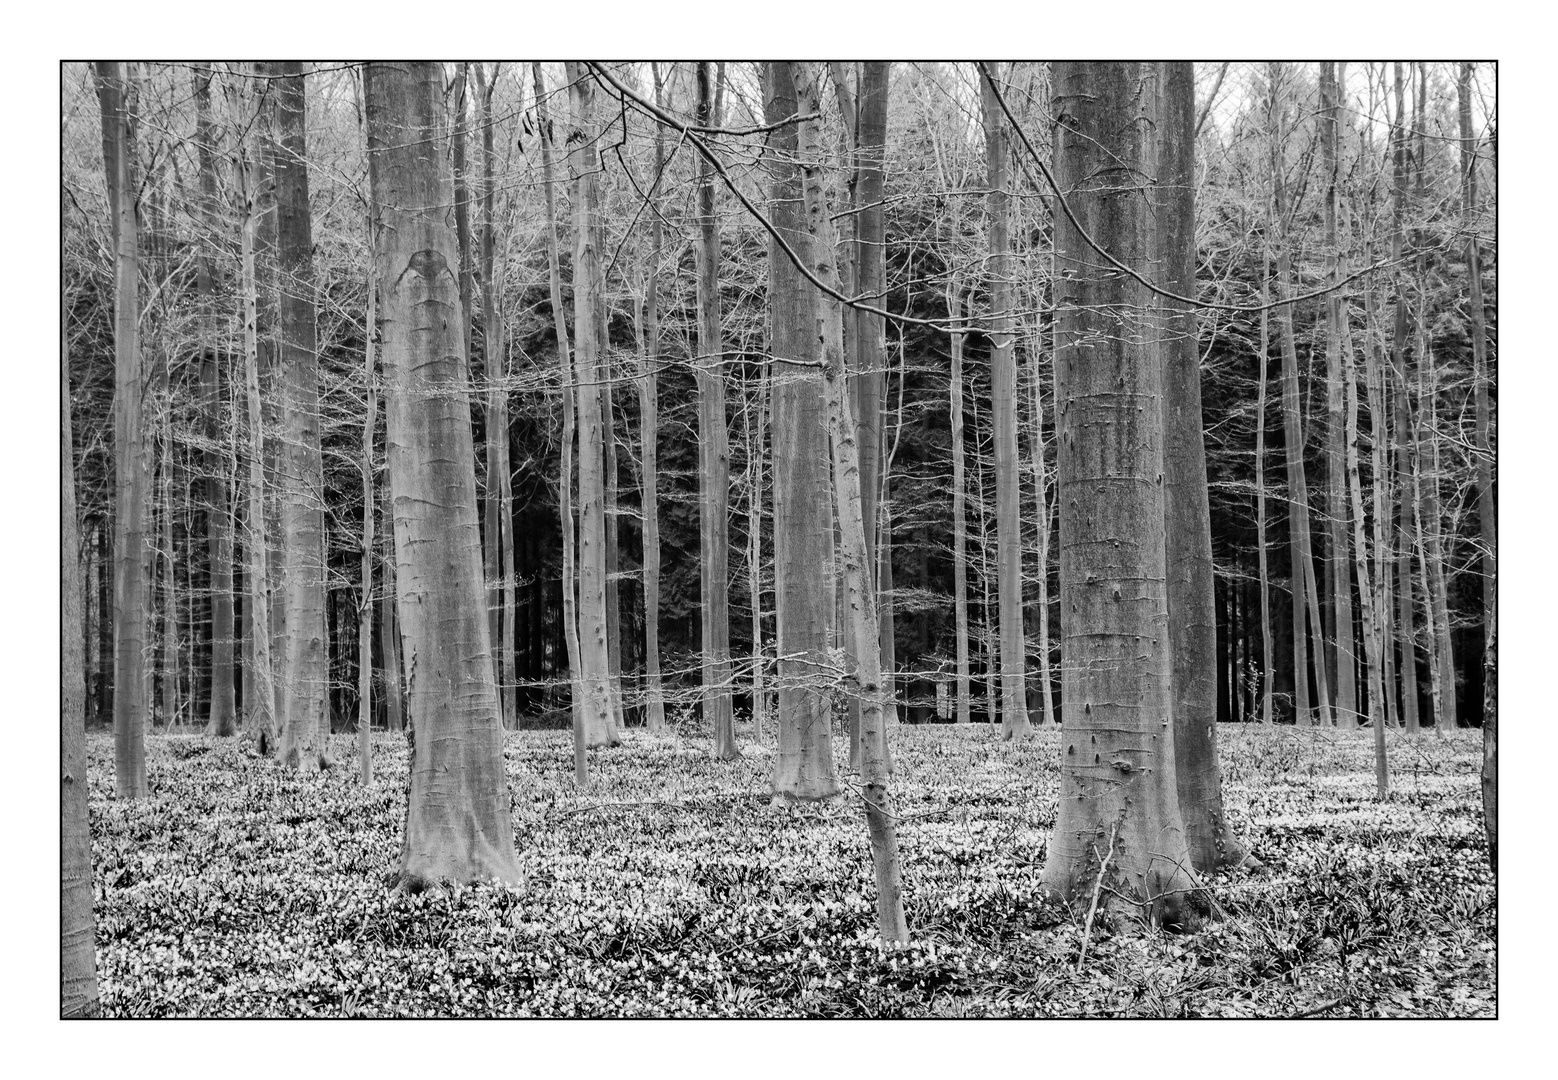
[[1268, 663], [713, 455], [649, 426], [1344, 658], [457, 818], [803, 525], [1003, 408], [130, 588], [827, 347], [589, 323], [576, 689], [959, 506], [222, 714], [1406, 630], [304, 681], [1192, 610], [1118, 825], [78, 954]]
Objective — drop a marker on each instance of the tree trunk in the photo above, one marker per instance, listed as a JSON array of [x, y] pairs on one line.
[[1192, 612], [1118, 823], [1305, 593], [754, 432], [389, 633], [1490, 739], [130, 592], [221, 719], [305, 673], [1041, 510], [803, 529], [576, 674], [457, 819], [1405, 627], [1003, 408], [365, 596], [649, 424], [1344, 653], [78, 953], [1487, 515], [713, 456], [1268, 661], [827, 346], [959, 505], [589, 298]]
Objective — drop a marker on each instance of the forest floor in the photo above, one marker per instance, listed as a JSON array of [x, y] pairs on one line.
[[672, 888]]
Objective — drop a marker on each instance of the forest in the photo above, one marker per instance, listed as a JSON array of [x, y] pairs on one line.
[[778, 538]]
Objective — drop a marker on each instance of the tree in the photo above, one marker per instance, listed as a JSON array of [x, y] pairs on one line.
[[803, 527], [589, 325], [1192, 604], [457, 818], [222, 717], [1003, 408], [130, 592], [305, 715], [713, 454], [648, 330], [1118, 823], [827, 346], [78, 955]]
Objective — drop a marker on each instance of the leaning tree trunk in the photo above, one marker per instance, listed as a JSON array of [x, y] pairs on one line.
[[1118, 825], [713, 457], [803, 529], [1192, 611], [576, 689], [130, 591], [78, 954], [827, 347], [1003, 409], [589, 299], [457, 817], [305, 670]]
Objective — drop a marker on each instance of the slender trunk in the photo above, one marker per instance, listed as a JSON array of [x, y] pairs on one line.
[[365, 596], [1487, 515], [1119, 822], [78, 954], [130, 592], [713, 456], [1305, 593], [802, 520], [1192, 612], [1490, 739], [570, 421], [589, 298], [1343, 652], [457, 817], [754, 430], [827, 346], [959, 509], [1041, 518], [1405, 626], [305, 680], [1003, 408], [649, 424], [389, 633], [1380, 439], [1268, 662]]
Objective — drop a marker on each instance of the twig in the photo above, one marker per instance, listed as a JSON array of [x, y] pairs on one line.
[[1098, 888], [1318, 1009]]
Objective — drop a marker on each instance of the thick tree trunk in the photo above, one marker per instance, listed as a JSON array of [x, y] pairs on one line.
[[959, 506], [305, 671], [576, 690], [78, 954], [457, 819], [221, 718], [1003, 408], [803, 527], [1343, 650], [713, 456], [130, 591], [827, 346], [389, 634], [1192, 614], [649, 424], [589, 298], [1118, 823]]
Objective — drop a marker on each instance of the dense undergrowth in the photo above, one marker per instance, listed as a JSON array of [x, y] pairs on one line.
[[672, 888]]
